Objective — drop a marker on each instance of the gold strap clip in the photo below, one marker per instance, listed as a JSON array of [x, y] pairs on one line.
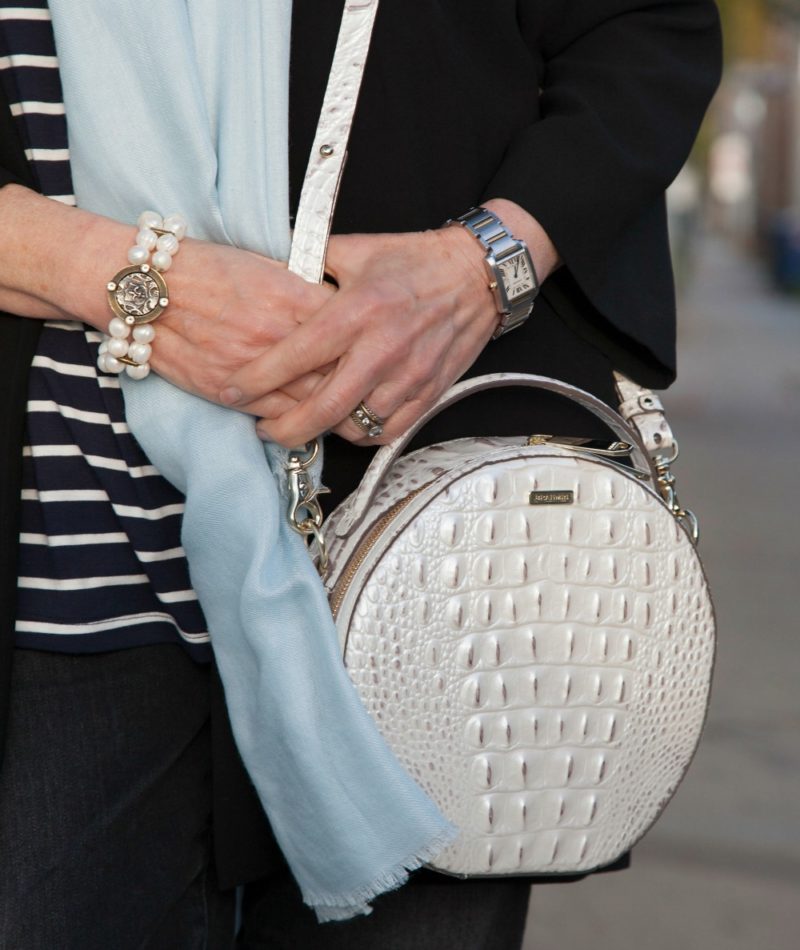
[[666, 486], [305, 512]]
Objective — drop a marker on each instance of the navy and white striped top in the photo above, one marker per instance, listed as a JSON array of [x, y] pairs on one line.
[[101, 563]]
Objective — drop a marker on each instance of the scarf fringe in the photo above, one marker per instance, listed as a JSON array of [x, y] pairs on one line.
[[331, 907]]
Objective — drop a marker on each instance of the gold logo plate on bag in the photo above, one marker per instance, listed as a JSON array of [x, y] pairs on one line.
[[551, 497]]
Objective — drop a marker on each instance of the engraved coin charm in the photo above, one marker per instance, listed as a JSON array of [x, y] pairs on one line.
[[138, 294]]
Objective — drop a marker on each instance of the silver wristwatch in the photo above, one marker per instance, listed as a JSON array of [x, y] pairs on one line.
[[512, 277]]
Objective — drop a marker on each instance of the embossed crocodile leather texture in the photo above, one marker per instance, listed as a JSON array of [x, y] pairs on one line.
[[541, 670]]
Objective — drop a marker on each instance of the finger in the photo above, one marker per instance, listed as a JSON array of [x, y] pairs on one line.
[[320, 341], [405, 416], [332, 403], [384, 401], [275, 405], [395, 425], [298, 389], [365, 421], [346, 430]]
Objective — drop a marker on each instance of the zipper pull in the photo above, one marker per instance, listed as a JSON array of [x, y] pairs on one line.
[[593, 446]]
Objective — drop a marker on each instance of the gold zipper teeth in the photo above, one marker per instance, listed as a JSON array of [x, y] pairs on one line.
[[341, 586]]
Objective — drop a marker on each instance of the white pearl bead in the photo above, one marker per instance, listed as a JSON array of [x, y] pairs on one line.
[[144, 333], [147, 238], [161, 260], [138, 372], [113, 365], [117, 346], [138, 255], [150, 219], [168, 243], [118, 328], [177, 224], [139, 352], [101, 362], [103, 346]]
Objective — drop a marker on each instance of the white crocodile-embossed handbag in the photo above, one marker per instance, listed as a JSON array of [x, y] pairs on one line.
[[529, 624], [526, 619]]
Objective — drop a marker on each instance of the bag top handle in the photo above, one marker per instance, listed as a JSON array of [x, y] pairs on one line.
[[388, 454]]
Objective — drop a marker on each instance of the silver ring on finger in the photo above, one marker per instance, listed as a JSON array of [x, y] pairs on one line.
[[368, 421]]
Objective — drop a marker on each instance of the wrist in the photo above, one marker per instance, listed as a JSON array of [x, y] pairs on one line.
[[524, 226], [54, 259], [508, 264], [467, 255], [101, 251], [138, 294]]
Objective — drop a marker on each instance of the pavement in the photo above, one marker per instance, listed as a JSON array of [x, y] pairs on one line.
[[721, 869]]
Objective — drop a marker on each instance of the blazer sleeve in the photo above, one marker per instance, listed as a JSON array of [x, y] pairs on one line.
[[624, 86]]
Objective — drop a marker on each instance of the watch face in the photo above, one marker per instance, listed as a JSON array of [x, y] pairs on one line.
[[517, 275]]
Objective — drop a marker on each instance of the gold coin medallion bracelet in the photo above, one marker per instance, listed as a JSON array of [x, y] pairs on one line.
[[138, 295]]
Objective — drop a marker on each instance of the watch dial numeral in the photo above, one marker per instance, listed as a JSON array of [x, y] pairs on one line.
[[517, 276]]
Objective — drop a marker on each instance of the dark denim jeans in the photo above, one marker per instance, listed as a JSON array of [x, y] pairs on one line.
[[105, 802], [105, 829], [433, 912]]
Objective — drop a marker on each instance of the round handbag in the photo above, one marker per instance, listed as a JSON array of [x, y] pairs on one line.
[[528, 622]]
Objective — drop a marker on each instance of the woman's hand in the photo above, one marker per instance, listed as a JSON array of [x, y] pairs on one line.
[[412, 313], [227, 306]]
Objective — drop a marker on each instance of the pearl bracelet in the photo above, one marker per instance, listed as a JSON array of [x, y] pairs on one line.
[[138, 295]]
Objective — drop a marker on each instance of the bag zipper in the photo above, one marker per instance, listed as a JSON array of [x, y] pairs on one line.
[[341, 586]]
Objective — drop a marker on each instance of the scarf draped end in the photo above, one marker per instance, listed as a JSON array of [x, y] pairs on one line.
[[331, 907]]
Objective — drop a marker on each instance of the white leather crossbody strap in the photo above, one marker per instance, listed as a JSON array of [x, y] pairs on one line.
[[388, 455], [329, 151]]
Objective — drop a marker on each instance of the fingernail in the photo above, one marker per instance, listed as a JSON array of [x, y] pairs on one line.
[[262, 433], [230, 395]]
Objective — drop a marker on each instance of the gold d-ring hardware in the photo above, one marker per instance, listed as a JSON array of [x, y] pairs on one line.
[[305, 513]]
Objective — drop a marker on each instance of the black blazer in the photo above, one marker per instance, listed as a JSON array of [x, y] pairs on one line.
[[582, 111]]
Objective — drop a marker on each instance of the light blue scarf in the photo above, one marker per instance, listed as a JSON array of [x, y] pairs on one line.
[[182, 106]]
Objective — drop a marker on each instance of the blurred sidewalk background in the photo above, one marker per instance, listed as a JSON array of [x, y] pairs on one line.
[[721, 869]]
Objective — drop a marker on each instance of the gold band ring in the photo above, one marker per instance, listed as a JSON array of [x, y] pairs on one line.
[[368, 421]]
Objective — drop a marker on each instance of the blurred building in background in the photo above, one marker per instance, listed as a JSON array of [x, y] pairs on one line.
[[751, 148]]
